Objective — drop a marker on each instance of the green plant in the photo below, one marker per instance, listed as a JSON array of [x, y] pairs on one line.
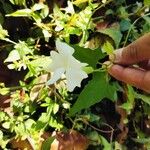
[[62, 46]]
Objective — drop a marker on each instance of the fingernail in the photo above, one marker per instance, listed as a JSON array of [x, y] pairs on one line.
[[116, 56]]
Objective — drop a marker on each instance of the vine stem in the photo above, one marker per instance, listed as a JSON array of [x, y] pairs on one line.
[[111, 131], [103, 131], [132, 27]]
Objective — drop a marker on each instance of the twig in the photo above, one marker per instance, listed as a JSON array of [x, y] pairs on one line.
[[132, 27]]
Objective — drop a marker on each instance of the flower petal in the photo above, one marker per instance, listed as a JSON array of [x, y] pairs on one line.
[[64, 48], [74, 78], [57, 61], [74, 63], [57, 74]]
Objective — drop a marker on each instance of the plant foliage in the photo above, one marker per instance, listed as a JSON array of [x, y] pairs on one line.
[[37, 107]]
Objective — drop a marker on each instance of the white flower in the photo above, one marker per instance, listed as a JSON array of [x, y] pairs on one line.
[[70, 8], [64, 63]]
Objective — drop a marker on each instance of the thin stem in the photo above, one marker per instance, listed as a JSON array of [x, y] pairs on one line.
[[103, 131], [8, 40], [103, 5], [132, 27], [111, 131], [20, 87]]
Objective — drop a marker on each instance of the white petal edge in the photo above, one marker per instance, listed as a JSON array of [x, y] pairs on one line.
[[57, 75], [64, 48], [74, 78]]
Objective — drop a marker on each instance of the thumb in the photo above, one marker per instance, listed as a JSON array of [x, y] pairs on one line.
[[136, 52]]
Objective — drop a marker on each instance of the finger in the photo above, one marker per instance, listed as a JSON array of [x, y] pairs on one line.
[[135, 52], [133, 76], [145, 64]]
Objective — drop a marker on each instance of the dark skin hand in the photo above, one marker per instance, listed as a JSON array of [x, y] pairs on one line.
[[137, 53]]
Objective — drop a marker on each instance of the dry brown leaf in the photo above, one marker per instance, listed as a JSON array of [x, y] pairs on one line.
[[72, 140], [122, 126], [35, 90], [21, 144]]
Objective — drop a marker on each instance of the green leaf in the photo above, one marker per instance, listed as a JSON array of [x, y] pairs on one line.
[[147, 2], [6, 7], [18, 2], [13, 56], [147, 19], [55, 108], [108, 48], [97, 89], [79, 2], [128, 106], [45, 11], [3, 33], [43, 62], [105, 143], [38, 6], [47, 143], [29, 123], [142, 140], [4, 91], [23, 49], [21, 13], [100, 140], [88, 70], [42, 121], [87, 55], [57, 12], [1, 18], [144, 98], [125, 25], [6, 125], [114, 33]]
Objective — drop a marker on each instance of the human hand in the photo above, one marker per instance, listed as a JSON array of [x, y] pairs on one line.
[[137, 53]]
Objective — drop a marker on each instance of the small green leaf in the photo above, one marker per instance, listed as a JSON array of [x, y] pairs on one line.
[[142, 140], [3, 33], [105, 143], [97, 89], [42, 62], [42, 121], [21, 13], [108, 48], [45, 11], [29, 123], [79, 2], [4, 91], [125, 25], [114, 33], [18, 2], [129, 105], [100, 140], [38, 6], [55, 108], [1, 18], [88, 70], [6, 125], [144, 98], [47, 143], [147, 2], [13, 56], [88, 56]]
